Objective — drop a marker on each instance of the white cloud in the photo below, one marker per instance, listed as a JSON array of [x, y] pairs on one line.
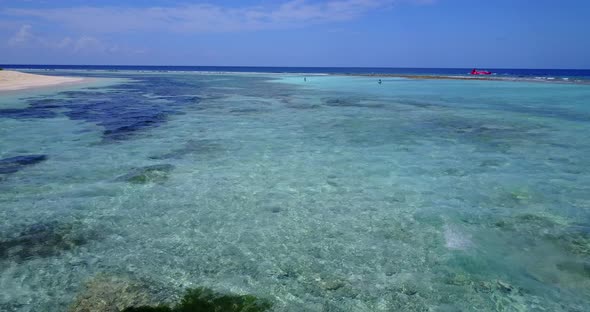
[[207, 17], [87, 43], [26, 38], [22, 36], [64, 43]]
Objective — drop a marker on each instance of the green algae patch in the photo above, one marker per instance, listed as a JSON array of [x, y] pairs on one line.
[[206, 300]]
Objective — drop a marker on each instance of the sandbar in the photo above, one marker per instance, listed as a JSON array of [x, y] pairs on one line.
[[13, 80]]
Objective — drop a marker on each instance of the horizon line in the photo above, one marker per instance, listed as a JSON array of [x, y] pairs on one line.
[[274, 66]]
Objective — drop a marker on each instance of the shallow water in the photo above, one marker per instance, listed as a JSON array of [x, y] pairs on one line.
[[335, 194]]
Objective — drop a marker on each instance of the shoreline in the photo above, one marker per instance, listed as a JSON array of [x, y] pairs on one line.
[[20, 81]]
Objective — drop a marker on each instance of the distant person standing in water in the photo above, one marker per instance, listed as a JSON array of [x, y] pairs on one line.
[[304, 78], [380, 81]]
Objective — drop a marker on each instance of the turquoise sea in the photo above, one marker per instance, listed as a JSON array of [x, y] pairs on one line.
[[332, 194]]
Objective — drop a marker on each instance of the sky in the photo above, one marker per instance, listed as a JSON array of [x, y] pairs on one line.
[[323, 33]]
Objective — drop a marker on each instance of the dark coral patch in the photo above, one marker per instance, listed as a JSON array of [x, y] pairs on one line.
[[42, 240], [205, 300], [14, 164]]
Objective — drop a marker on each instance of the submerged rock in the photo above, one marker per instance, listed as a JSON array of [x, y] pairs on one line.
[[480, 284], [574, 239], [333, 284], [130, 123], [350, 102], [400, 300], [458, 279], [528, 223], [203, 299], [304, 106], [581, 269], [516, 197], [200, 147], [504, 287], [341, 102], [148, 174], [42, 240], [454, 172], [14, 164], [206, 300], [531, 228], [492, 163], [149, 309], [248, 110], [520, 195], [106, 293]]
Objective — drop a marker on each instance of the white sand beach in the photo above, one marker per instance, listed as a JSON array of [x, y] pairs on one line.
[[13, 80]]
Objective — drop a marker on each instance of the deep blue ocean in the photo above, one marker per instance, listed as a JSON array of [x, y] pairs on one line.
[[525, 73]]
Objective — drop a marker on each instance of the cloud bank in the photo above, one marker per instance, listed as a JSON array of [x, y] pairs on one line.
[[123, 30], [25, 37], [22, 36], [206, 17]]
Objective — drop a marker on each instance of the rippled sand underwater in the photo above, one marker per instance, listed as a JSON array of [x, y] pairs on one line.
[[333, 194]]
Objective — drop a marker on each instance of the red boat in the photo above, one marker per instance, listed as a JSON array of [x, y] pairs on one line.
[[480, 72]]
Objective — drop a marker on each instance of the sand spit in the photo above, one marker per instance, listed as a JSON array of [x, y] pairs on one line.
[[13, 80]]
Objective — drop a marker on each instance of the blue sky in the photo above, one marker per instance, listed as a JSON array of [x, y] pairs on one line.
[[364, 33]]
